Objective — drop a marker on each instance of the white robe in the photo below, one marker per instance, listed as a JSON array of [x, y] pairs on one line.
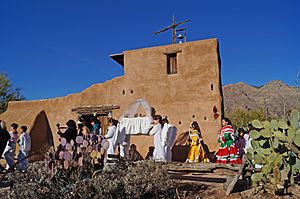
[[122, 139], [159, 152], [171, 137], [110, 136], [168, 139], [25, 146]]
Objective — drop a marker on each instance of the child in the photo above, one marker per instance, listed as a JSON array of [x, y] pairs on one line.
[[241, 142], [25, 145], [196, 152], [228, 151], [10, 149]]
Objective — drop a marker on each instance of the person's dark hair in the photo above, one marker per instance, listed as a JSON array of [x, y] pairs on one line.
[[71, 124], [133, 147], [158, 117], [227, 120], [195, 126], [24, 128], [80, 125], [14, 126], [165, 121], [241, 130], [113, 121], [250, 127]]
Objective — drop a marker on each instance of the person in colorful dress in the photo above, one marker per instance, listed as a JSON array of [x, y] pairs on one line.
[[228, 152], [196, 152], [95, 130]]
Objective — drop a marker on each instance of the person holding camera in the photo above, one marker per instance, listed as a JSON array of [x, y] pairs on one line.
[[71, 131]]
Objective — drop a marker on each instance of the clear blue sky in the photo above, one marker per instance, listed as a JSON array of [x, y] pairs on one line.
[[52, 48]]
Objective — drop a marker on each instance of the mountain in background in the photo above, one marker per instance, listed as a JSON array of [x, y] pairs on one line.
[[274, 98]]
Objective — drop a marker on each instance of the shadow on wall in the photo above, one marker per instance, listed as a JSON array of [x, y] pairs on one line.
[[40, 134], [181, 148]]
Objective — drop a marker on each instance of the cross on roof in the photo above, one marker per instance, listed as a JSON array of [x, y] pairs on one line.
[[173, 27]]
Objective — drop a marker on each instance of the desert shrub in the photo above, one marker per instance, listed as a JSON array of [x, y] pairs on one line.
[[145, 179], [40, 182]]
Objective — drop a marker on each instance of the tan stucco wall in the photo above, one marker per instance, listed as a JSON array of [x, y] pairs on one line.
[[178, 96]]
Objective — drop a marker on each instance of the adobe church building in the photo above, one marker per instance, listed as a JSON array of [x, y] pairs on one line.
[[180, 81]]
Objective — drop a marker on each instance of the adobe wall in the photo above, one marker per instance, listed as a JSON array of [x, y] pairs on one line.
[[180, 96]]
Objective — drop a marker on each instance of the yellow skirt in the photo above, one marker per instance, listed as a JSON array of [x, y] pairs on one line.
[[196, 154]]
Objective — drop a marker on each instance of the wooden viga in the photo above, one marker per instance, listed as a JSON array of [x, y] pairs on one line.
[[95, 109]]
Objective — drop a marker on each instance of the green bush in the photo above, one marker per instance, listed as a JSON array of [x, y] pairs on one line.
[[242, 117]]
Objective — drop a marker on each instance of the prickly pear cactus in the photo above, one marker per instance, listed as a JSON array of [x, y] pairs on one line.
[[276, 147]]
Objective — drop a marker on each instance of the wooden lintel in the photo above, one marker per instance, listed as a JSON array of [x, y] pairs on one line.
[[172, 52], [99, 109]]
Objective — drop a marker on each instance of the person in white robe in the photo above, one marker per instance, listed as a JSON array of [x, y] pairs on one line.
[[110, 136], [168, 138], [171, 137], [159, 152], [124, 147], [122, 139], [25, 146]]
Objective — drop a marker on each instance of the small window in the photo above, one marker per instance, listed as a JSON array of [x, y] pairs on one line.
[[193, 116], [123, 92], [172, 63], [131, 91], [212, 87], [179, 122]]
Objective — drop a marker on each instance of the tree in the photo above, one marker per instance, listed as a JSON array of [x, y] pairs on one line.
[[8, 92], [241, 117]]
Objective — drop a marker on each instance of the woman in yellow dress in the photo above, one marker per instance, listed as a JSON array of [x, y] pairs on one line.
[[196, 152]]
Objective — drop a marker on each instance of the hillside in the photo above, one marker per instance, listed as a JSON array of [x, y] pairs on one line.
[[275, 97]]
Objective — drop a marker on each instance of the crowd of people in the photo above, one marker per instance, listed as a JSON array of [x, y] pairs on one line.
[[8, 144], [164, 138], [232, 145], [164, 135]]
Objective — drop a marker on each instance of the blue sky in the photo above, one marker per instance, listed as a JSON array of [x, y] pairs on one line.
[[52, 48]]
